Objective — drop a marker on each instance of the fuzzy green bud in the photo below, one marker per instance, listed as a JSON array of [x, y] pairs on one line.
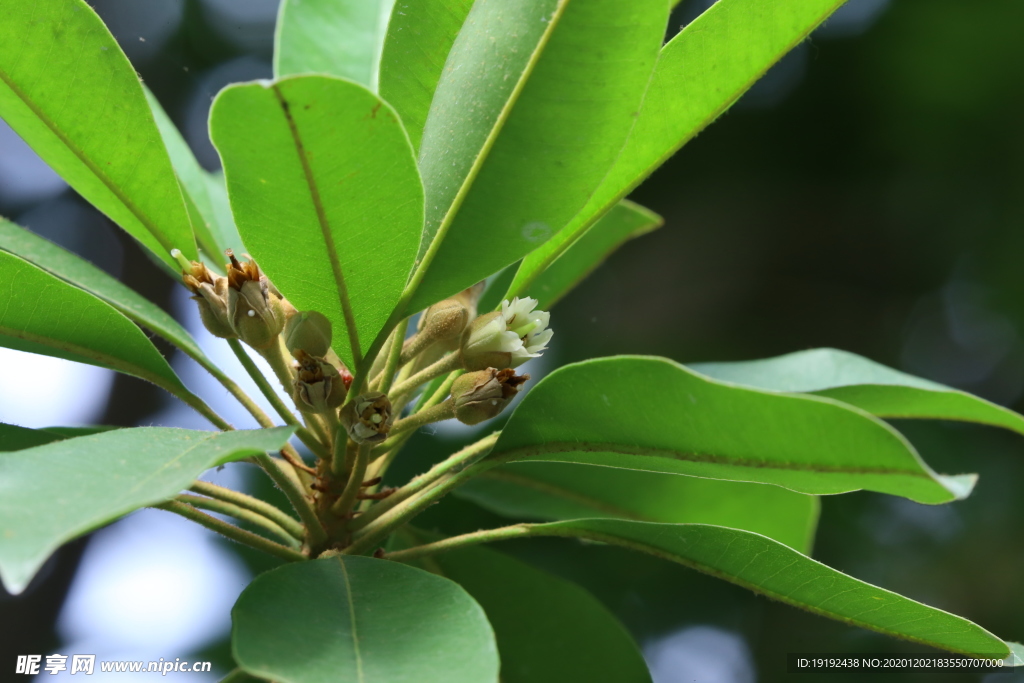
[[368, 418], [308, 331], [256, 314], [481, 395]]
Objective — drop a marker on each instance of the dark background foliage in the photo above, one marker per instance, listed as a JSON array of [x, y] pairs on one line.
[[865, 195]]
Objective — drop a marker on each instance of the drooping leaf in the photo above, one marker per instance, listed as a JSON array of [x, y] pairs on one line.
[[419, 37], [700, 74], [15, 438], [549, 630], [558, 491], [215, 231], [870, 386], [360, 619], [40, 313], [524, 124], [53, 493], [325, 190], [68, 90], [625, 221], [340, 38], [71, 268], [655, 415], [780, 573]]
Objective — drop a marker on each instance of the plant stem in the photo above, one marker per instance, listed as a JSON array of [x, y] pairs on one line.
[[347, 499], [242, 500], [416, 345], [460, 460], [482, 536], [445, 364], [293, 489], [231, 531], [226, 508], [442, 411], [394, 354], [200, 406]]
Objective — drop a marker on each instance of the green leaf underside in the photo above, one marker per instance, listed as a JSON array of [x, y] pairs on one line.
[[340, 38], [363, 620], [625, 221], [870, 386], [653, 414], [419, 38], [699, 75], [524, 125], [15, 438], [93, 480], [560, 491], [324, 187], [549, 630], [771, 569], [40, 313], [57, 261], [69, 91], [214, 230]]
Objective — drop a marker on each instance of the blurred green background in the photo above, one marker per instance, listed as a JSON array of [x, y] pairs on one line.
[[866, 196]]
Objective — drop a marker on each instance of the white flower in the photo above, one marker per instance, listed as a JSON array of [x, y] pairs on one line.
[[506, 338], [529, 326]]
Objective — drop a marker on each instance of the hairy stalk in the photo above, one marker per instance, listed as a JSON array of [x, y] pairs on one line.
[[200, 406], [444, 365], [231, 531], [482, 536], [293, 489], [457, 461], [268, 392], [416, 345], [239, 513], [442, 411], [346, 501], [394, 355], [242, 500], [440, 394], [344, 454]]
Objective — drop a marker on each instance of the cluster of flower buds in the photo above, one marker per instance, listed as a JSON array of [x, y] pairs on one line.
[[481, 395], [506, 338]]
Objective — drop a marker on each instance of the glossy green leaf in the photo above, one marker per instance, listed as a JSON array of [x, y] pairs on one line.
[[215, 231], [653, 414], [57, 261], [324, 189], [700, 74], [549, 630], [419, 37], [53, 493], [557, 491], [625, 221], [536, 100], [870, 386], [15, 438], [782, 574], [360, 619], [40, 313], [68, 90], [340, 38]]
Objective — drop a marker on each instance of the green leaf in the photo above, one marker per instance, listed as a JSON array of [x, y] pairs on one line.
[[653, 414], [79, 272], [625, 221], [215, 230], [549, 630], [360, 619], [68, 90], [524, 124], [870, 386], [40, 313], [51, 494], [15, 438], [335, 37], [557, 491], [700, 74], [419, 38], [325, 190], [775, 571]]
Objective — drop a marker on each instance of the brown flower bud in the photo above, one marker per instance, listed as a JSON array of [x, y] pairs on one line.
[[318, 387], [211, 294], [481, 395], [368, 418], [309, 331], [256, 314], [444, 320]]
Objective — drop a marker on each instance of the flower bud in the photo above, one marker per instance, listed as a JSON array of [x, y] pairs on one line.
[[309, 331], [211, 294], [318, 387], [529, 325], [444, 320], [487, 343], [481, 395], [368, 418], [256, 314]]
